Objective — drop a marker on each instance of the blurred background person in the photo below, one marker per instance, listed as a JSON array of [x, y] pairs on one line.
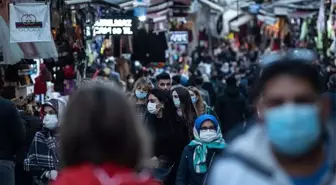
[[200, 106], [197, 157], [42, 160], [100, 142], [12, 140], [185, 108], [130, 83], [331, 93], [170, 135], [198, 83], [231, 107]]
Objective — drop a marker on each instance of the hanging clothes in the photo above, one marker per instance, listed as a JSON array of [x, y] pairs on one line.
[[12, 53], [30, 50]]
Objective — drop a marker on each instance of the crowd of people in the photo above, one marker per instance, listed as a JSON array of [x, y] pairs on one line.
[[230, 119]]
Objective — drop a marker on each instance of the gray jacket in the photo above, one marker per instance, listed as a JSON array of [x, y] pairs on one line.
[[254, 146]]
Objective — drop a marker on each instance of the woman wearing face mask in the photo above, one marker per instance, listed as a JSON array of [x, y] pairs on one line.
[[185, 108], [42, 160], [200, 106], [140, 93], [169, 135], [197, 157]]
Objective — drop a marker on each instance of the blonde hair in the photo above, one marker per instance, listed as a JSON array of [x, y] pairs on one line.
[[199, 106], [141, 83]]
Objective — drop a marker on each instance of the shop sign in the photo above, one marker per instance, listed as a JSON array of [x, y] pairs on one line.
[[178, 37], [29, 22], [113, 26]]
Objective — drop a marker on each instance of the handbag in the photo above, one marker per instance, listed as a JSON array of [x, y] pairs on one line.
[[161, 173]]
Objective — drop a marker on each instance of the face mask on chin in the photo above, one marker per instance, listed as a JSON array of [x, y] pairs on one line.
[[293, 129]]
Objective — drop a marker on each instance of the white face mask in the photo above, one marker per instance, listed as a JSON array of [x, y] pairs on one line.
[[208, 135], [151, 107], [50, 121]]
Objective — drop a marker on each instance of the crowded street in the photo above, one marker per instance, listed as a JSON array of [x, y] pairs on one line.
[[177, 92]]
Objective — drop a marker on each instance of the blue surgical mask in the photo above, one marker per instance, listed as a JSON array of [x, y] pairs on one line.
[[177, 102], [293, 129], [194, 99], [140, 95]]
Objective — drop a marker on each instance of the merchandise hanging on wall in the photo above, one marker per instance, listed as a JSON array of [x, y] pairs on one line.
[[29, 22]]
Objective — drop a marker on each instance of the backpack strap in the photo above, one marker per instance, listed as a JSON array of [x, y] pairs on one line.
[[250, 163]]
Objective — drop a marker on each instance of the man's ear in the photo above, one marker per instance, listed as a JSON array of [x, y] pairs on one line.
[[325, 107]]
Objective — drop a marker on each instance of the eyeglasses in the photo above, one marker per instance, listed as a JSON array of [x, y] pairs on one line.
[[208, 128], [302, 54]]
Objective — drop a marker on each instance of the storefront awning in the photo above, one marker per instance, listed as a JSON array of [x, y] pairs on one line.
[[111, 3], [231, 14], [212, 5], [240, 21]]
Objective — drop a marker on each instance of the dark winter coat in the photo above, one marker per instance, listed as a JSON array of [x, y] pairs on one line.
[[186, 174], [12, 131], [231, 108]]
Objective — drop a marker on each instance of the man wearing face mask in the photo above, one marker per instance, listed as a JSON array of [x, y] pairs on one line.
[[42, 160], [293, 144]]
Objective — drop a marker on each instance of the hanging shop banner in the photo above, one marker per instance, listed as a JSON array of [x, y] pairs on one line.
[[113, 26], [29, 22], [178, 37]]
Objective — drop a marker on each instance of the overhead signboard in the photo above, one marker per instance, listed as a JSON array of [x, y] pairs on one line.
[[113, 26], [29, 22], [178, 37]]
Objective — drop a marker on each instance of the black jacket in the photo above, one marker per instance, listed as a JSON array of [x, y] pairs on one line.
[[170, 137], [12, 131], [231, 108], [32, 125], [186, 174]]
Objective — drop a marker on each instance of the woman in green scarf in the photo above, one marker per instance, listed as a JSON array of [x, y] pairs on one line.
[[198, 156]]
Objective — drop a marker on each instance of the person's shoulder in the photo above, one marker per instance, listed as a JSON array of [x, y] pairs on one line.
[[6, 103]]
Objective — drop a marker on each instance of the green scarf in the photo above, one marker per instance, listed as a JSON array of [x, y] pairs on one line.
[[201, 150]]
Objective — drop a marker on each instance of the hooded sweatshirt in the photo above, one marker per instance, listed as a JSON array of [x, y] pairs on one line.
[[264, 169]]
